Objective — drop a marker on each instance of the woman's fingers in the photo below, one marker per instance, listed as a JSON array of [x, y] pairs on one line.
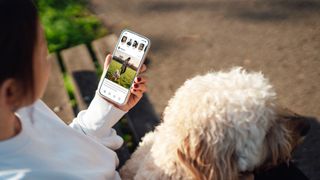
[[107, 61], [137, 94], [140, 80], [139, 87], [143, 69]]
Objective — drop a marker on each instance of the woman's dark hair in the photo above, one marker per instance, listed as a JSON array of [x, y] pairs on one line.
[[18, 35]]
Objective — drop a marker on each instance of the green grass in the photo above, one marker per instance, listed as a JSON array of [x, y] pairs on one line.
[[68, 23], [70, 89], [125, 79]]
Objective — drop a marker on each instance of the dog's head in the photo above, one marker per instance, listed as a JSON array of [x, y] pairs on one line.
[[223, 124]]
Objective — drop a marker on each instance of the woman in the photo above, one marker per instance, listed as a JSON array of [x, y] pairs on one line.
[[124, 66], [34, 142]]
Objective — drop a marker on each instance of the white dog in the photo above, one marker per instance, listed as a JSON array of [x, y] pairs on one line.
[[116, 75], [221, 125]]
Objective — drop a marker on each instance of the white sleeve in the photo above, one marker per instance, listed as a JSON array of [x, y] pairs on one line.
[[97, 121]]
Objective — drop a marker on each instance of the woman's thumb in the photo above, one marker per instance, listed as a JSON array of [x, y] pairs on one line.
[[107, 61]]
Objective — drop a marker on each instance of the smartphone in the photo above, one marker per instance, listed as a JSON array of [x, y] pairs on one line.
[[127, 59]]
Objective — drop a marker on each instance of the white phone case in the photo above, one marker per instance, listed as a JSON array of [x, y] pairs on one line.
[[138, 69]]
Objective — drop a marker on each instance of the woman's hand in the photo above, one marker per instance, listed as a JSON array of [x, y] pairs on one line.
[[137, 89]]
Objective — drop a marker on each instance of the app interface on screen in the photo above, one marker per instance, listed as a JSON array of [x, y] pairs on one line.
[[123, 67]]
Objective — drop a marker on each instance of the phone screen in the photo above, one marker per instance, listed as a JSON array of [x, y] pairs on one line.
[[126, 60]]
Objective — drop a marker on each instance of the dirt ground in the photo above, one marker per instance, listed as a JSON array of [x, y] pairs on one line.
[[280, 38]]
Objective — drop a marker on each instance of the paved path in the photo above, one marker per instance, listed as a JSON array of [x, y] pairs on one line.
[[281, 38]]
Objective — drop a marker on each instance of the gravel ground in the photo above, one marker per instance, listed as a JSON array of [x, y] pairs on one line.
[[280, 38]]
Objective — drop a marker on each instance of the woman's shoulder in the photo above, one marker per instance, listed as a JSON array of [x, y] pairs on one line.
[[38, 112]]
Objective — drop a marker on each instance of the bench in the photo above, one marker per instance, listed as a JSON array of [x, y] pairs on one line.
[[81, 63]]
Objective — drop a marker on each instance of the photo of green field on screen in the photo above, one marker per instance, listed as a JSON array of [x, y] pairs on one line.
[[122, 69]]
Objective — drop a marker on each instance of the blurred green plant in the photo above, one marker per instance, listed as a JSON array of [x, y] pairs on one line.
[[127, 136], [68, 23], [70, 89]]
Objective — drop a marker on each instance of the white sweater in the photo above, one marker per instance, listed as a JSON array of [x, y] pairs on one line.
[[46, 148]]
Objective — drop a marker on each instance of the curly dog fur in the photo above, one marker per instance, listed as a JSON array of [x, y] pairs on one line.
[[217, 126]]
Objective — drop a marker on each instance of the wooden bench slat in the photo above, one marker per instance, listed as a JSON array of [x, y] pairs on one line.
[[79, 65], [56, 96], [104, 46]]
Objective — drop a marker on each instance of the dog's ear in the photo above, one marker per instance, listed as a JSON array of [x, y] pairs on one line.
[[278, 142], [246, 176], [203, 162], [298, 125], [287, 132]]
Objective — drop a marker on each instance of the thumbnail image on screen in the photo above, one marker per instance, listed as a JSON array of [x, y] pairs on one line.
[[122, 69]]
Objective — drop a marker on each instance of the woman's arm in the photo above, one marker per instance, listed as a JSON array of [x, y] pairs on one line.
[[97, 122], [101, 115]]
